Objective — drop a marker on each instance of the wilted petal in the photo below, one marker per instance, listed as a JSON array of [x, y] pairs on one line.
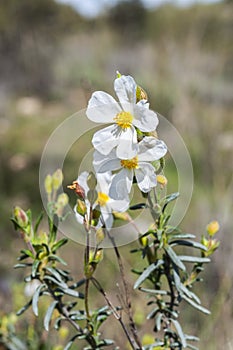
[[102, 107], [151, 149], [125, 88], [146, 177]]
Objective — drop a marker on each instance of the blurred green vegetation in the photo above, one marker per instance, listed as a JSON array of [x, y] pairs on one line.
[[51, 59]]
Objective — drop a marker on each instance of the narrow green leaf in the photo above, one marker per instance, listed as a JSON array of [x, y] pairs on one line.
[[174, 257], [194, 259], [171, 197], [191, 337], [158, 321], [68, 346], [55, 281], [73, 293], [24, 308], [35, 298], [18, 266], [59, 244], [54, 273], [179, 332], [181, 236], [138, 206], [182, 289], [49, 314], [154, 291], [27, 252], [35, 266], [193, 244], [152, 313], [146, 273], [197, 306], [38, 221], [53, 257]]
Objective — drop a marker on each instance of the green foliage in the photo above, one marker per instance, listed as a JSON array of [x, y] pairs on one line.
[[166, 280]]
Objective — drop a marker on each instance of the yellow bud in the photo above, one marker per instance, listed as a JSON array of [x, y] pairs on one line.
[[21, 217], [162, 180], [63, 332], [147, 339], [48, 184], [81, 207], [212, 228], [143, 241], [62, 199], [118, 74], [100, 235], [57, 179], [141, 94], [120, 216]]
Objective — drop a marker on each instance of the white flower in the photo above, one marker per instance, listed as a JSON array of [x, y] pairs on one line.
[[150, 149], [125, 114], [106, 204]]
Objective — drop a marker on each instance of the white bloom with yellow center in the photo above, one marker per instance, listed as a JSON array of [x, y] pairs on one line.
[[106, 204], [149, 149], [125, 114]]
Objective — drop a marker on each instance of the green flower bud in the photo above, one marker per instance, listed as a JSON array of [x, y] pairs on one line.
[[21, 217], [91, 181], [62, 200], [81, 207], [57, 179], [100, 235], [48, 184]]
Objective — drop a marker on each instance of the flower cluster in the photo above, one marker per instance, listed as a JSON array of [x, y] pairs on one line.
[[125, 150]]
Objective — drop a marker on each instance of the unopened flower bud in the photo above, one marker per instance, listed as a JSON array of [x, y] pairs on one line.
[[21, 217], [212, 228], [162, 180], [62, 199], [81, 207], [57, 179], [141, 94], [100, 235], [91, 181], [120, 216], [48, 184]]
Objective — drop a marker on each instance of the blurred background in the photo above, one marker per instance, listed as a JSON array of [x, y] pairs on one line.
[[53, 55]]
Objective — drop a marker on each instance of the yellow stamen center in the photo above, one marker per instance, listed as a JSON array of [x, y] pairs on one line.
[[102, 199], [130, 163], [124, 119]]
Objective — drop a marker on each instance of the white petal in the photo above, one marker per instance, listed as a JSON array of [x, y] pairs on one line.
[[104, 181], [146, 177], [119, 205], [121, 185], [144, 118], [125, 88], [107, 163], [151, 149], [82, 180], [107, 217], [127, 145], [102, 107], [105, 139]]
